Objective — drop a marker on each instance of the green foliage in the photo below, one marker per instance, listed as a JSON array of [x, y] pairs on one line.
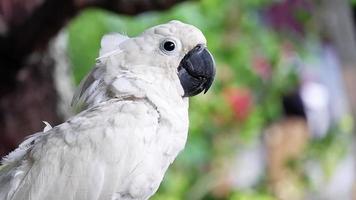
[[329, 150], [254, 196]]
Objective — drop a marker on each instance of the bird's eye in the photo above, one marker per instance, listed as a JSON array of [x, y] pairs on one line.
[[169, 46]]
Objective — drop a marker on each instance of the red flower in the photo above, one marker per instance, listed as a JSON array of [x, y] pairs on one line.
[[240, 100]]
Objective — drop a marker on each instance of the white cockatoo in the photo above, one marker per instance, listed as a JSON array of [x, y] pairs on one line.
[[134, 122]]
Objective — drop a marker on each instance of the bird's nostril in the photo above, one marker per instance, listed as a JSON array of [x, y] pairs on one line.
[[199, 47]]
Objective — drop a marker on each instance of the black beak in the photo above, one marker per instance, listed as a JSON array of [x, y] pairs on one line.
[[196, 71]]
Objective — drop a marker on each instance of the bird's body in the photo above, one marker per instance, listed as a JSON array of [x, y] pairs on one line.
[[109, 162], [134, 124]]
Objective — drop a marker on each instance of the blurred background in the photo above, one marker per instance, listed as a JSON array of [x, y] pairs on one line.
[[277, 123]]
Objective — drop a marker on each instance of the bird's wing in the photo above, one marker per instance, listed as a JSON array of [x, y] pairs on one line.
[[92, 86], [89, 157], [92, 89]]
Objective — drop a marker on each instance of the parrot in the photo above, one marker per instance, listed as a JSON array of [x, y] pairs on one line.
[[132, 124]]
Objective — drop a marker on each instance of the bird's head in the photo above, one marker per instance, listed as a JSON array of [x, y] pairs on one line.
[[174, 55], [180, 49]]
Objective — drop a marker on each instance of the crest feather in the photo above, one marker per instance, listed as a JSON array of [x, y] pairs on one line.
[[111, 42]]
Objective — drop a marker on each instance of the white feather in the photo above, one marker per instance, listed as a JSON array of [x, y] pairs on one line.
[[111, 43], [47, 127]]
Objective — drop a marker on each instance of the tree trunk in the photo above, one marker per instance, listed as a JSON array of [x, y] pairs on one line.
[[28, 102]]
